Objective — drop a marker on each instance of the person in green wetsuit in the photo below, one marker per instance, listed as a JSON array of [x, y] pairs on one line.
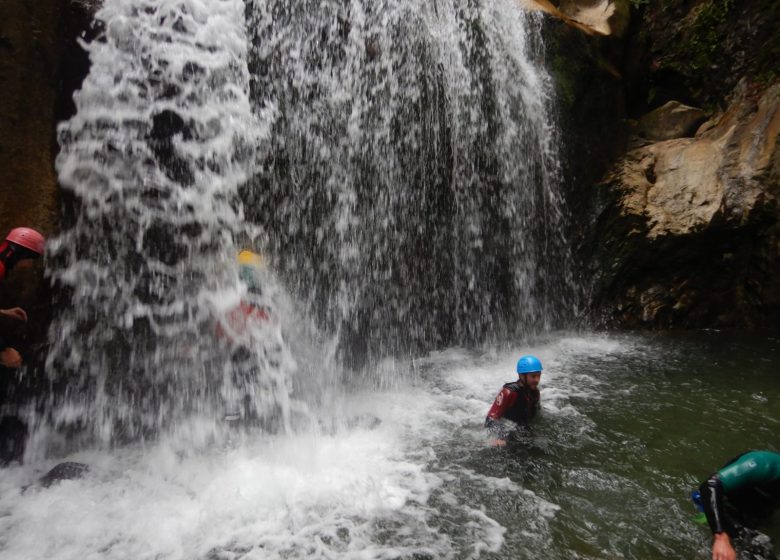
[[742, 494]]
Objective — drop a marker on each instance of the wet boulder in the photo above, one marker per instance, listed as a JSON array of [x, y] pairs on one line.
[[363, 422], [671, 120], [64, 471]]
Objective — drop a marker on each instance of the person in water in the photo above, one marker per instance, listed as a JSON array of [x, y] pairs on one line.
[[20, 247], [518, 402], [738, 498]]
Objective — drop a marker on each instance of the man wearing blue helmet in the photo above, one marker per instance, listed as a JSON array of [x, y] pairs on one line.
[[739, 497], [517, 402]]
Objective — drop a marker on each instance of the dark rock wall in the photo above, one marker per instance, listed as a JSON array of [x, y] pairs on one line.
[[697, 51], [41, 64], [723, 271]]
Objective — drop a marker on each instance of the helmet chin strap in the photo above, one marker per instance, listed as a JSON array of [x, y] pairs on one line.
[[11, 254]]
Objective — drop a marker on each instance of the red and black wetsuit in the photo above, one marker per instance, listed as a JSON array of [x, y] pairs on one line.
[[515, 402]]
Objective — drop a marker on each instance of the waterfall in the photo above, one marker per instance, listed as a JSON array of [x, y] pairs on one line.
[[411, 186], [163, 136], [394, 161]]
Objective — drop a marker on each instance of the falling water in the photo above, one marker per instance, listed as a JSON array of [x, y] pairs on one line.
[[394, 161], [151, 164], [411, 187]]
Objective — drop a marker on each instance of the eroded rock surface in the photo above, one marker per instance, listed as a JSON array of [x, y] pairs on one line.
[[691, 237]]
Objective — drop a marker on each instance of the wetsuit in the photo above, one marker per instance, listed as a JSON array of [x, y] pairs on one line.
[[745, 492], [515, 402]]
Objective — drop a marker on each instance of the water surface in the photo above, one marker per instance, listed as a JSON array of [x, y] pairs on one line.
[[630, 424]]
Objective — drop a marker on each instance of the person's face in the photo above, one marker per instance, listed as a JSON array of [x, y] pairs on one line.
[[531, 380], [24, 264]]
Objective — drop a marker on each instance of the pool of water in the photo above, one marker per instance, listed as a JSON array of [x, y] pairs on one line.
[[630, 424]]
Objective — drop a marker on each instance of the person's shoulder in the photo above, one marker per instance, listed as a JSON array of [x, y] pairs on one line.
[[511, 386]]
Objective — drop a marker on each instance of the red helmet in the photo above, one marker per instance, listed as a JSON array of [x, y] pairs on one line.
[[27, 238]]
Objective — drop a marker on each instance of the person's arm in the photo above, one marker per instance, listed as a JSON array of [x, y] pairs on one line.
[[14, 313], [712, 501], [750, 469], [722, 549], [10, 358], [492, 421]]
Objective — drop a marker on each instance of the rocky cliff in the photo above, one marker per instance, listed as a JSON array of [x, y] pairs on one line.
[[40, 66], [683, 230]]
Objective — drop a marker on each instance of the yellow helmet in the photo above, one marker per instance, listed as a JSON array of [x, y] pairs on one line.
[[251, 267], [249, 258]]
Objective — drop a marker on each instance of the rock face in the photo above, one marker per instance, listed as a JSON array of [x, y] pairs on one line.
[[697, 52], [689, 234], [601, 17], [41, 65], [672, 120], [608, 17], [28, 192], [684, 230]]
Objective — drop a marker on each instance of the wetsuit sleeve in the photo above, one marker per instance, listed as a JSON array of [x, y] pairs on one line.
[[503, 401], [712, 500]]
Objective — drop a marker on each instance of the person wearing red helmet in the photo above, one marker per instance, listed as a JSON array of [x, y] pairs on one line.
[[21, 246]]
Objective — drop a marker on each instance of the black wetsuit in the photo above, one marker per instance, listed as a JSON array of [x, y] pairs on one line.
[[743, 494]]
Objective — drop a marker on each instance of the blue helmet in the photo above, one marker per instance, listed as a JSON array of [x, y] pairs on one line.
[[528, 364]]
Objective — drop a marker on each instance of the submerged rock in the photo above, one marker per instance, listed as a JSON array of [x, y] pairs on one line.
[[363, 422]]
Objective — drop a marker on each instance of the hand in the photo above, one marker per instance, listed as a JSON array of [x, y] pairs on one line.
[[15, 313], [497, 442], [721, 548], [10, 358]]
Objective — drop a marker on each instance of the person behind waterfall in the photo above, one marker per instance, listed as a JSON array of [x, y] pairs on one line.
[[517, 403], [20, 247], [246, 330], [252, 309], [738, 498]]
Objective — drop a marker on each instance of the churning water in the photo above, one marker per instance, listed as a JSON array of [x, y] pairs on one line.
[[629, 426]]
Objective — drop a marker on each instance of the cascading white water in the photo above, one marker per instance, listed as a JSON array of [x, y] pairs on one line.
[[151, 163], [411, 189], [396, 159]]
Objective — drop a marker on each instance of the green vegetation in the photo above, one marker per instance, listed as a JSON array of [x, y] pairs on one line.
[[706, 42], [767, 69]]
